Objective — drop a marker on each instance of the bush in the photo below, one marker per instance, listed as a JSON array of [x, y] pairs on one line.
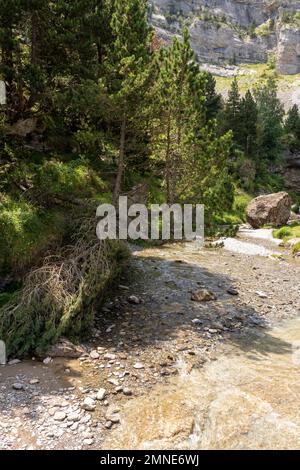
[[296, 248], [60, 297], [25, 230]]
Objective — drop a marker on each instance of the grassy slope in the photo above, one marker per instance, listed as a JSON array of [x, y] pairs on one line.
[[255, 72]]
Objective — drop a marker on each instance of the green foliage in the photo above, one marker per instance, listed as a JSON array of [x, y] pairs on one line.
[[270, 120], [185, 143], [60, 297], [26, 231], [296, 248], [237, 215], [292, 129], [75, 179], [288, 233]]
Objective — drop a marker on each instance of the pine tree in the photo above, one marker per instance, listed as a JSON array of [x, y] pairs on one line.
[[193, 157], [126, 70], [248, 124], [178, 106], [292, 128], [292, 122], [270, 120], [213, 100], [231, 119]]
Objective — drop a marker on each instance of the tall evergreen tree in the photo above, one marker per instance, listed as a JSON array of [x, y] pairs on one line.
[[248, 124], [292, 128], [270, 119], [212, 98], [193, 157], [126, 70], [230, 118]]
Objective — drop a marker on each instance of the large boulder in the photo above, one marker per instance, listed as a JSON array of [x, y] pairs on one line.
[[271, 209]]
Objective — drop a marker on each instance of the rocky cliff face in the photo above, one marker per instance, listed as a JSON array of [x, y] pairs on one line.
[[234, 31]]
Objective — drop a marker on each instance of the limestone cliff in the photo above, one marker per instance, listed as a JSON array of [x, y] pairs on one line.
[[234, 31]]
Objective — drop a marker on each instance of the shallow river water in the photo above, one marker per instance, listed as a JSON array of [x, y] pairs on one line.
[[249, 398]]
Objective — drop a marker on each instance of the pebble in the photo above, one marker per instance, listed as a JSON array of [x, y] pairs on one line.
[[232, 291], [12, 362], [138, 365], [262, 295], [133, 299], [59, 416], [94, 354], [34, 381], [18, 386], [89, 404], [109, 356], [47, 360], [101, 394], [88, 442]]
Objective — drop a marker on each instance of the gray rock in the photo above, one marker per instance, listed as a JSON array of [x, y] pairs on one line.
[[273, 209], [18, 386]]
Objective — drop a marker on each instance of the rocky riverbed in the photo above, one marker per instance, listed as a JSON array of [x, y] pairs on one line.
[[178, 311]]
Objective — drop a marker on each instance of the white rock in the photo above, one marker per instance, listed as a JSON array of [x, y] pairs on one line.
[[101, 394], [59, 416], [89, 404], [94, 354], [12, 362], [110, 357], [47, 360], [138, 365]]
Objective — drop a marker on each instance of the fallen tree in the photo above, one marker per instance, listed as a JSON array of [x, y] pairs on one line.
[[60, 297]]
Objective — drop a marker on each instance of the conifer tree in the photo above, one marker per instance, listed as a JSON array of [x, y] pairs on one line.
[[292, 128], [126, 70], [248, 124], [270, 120], [231, 119], [194, 158], [213, 100]]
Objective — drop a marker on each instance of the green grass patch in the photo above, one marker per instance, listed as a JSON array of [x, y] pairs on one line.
[[238, 213], [26, 230], [288, 232]]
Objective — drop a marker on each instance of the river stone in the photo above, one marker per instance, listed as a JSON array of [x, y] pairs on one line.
[[133, 299], [94, 354], [59, 416], [270, 209], [202, 295], [101, 394], [18, 386], [89, 404]]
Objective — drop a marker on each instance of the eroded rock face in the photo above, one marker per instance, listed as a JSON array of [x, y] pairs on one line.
[[288, 55], [273, 209], [291, 172], [237, 31]]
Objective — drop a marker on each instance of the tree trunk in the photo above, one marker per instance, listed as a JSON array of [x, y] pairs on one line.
[[120, 171], [168, 162], [35, 53]]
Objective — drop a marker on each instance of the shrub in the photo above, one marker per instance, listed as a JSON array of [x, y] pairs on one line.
[[296, 248], [25, 231], [60, 297]]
